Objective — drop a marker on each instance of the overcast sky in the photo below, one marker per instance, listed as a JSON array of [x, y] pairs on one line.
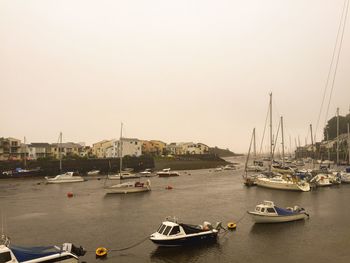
[[179, 70]]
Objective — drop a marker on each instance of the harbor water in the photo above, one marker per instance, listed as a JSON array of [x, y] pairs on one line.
[[38, 214]]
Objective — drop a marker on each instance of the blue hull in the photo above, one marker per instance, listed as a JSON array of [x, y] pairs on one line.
[[188, 240]]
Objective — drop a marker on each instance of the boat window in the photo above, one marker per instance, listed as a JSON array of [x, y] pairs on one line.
[[262, 210], [257, 209], [175, 230], [161, 229], [270, 210], [5, 257], [167, 230]]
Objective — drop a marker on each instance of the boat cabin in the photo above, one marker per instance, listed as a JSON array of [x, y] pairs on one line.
[[267, 208]]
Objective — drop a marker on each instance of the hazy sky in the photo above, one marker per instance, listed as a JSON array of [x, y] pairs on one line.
[[170, 70]]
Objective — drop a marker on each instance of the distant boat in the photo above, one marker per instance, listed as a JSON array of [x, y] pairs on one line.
[[67, 177], [321, 180], [15, 254], [93, 172], [171, 233], [129, 187], [167, 173], [267, 212], [146, 173]]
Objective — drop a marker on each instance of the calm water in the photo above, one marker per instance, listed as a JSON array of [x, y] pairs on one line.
[[39, 214]]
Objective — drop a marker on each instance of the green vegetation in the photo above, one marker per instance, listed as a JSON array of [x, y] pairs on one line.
[[221, 152], [331, 127]]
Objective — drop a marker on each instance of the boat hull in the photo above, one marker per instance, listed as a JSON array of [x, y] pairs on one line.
[[276, 219], [127, 190], [186, 240], [167, 174], [282, 186], [78, 180]]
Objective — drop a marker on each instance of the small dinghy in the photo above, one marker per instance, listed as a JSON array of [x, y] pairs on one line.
[[171, 233], [15, 254], [267, 212]]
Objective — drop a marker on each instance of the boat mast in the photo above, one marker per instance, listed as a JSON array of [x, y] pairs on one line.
[[25, 153], [282, 140], [254, 144], [250, 146], [337, 136], [120, 150], [312, 145], [349, 143], [59, 151], [271, 139]]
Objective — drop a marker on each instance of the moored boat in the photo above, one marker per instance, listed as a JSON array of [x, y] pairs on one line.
[[171, 233], [321, 180], [267, 212], [283, 184], [129, 187], [167, 173], [93, 172], [66, 253], [67, 177]]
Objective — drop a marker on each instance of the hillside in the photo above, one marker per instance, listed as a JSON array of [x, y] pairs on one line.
[[222, 152]]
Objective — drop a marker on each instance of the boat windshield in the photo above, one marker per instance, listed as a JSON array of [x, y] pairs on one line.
[[161, 228], [175, 230], [5, 257], [271, 210], [167, 230]]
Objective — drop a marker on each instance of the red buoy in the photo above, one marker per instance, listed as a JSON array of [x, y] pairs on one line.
[[169, 187], [70, 194]]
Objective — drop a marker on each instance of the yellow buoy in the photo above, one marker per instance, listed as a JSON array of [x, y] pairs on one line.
[[101, 252], [231, 225]]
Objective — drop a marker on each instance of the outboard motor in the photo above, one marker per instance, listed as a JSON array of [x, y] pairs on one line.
[[78, 251], [218, 226]]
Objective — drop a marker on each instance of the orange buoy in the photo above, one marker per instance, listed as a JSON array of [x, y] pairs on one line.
[[70, 194]]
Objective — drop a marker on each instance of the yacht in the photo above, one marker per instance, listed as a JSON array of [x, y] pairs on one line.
[[67, 177], [123, 175], [267, 212], [321, 180], [171, 233], [129, 187], [279, 182]]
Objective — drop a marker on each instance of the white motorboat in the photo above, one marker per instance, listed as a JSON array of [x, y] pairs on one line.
[[267, 212], [93, 172], [229, 167], [129, 187], [146, 173], [14, 254], [321, 180], [167, 173], [283, 184], [67, 177], [171, 233]]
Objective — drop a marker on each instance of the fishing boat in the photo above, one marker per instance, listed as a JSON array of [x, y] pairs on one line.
[[278, 182], [129, 187], [267, 212], [167, 173], [67, 177], [171, 233], [15, 254]]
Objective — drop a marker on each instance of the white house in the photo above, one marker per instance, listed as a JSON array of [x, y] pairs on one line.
[[130, 146]]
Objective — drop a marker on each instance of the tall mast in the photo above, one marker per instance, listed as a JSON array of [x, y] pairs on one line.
[[254, 144], [271, 139], [337, 136], [250, 146], [312, 145], [329, 153], [290, 147], [121, 150], [25, 153], [59, 151], [282, 140]]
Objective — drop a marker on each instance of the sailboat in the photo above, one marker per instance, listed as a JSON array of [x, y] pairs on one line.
[[277, 181], [67, 177], [127, 187]]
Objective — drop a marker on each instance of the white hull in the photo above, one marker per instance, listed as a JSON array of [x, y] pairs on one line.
[[123, 176], [127, 190], [282, 185], [64, 178], [275, 219]]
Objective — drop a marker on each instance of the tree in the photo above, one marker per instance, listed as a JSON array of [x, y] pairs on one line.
[[331, 127]]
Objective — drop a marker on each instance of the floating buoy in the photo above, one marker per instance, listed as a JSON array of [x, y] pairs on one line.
[[169, 187], [101, 252], [231, 226], [70, 194]]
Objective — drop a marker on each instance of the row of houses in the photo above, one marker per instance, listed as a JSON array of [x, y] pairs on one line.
[[14, 149]]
